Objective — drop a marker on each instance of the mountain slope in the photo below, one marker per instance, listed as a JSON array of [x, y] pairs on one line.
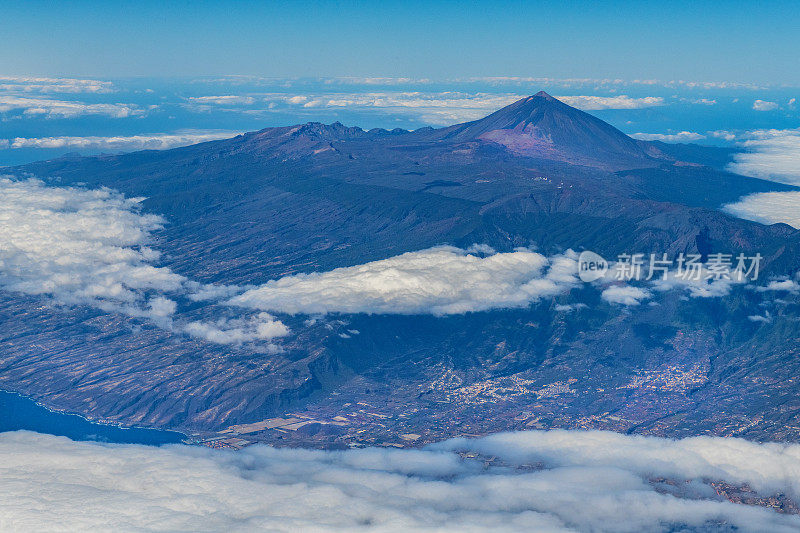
[[542, 126], [312, 198]]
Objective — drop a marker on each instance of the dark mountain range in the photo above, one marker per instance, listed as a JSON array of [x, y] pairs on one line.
[[541, 126], [315, 197]]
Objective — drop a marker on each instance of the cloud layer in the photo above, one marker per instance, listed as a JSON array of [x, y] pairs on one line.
[[90, 247], [586, 481], [772, 155], [84, 246], [594, 103], [438, 281], [764, 105], [768, 208], [159, 141], [439, 108], [680, 137], [51, 108], [54, 85]]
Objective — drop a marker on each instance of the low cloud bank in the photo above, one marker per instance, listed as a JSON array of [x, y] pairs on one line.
[[765, 105], [595, 103], [54, 85], [768, 208], [772, 155], [680, 137], [91, 247], [438, 108], [581, 481], [51, 108], [158, 141], [438, 281]]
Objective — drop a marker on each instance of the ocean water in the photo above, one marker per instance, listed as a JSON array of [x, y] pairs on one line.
[[18, 412]]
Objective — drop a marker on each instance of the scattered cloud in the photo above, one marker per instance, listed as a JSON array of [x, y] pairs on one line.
[[238, 331], [91, 247], [608, 83], [765, 318], [568, 308], [624, 295], [768, 208], [594, 103], [439, 281], [54, 483], [224, 100], [764, 105], [51, 108], [437, 108], [723, 134], [156, 141], [33, 84], [376, 80], [704, 286], [781, 285], [683, 136]]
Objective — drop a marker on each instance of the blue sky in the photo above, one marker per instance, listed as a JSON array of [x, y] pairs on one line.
[[713, 41]]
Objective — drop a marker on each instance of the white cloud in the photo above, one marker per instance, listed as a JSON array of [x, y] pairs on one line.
[[63, 108], [768, 208], [224, 100], [439, 108], [783, 285], [374, 80], [764, 105], [53, 483], [772, 155], [723, 134], [86, 246], [447, 280], [54, 85], [606, 83], [683, 136], [435, 108], [90, 247], [439, 281], [593, 103], [158, 141], [693, 278], [624, 295], [703, 284], [237, 331], [481, 249], [568, 308]]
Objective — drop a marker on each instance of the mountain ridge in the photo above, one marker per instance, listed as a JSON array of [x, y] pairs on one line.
[[312, 198], [538, 126]]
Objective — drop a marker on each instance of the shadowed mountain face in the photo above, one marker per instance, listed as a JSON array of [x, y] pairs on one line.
[[315, 197]]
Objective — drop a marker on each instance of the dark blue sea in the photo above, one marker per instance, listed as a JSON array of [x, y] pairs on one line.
[[18, 412]]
